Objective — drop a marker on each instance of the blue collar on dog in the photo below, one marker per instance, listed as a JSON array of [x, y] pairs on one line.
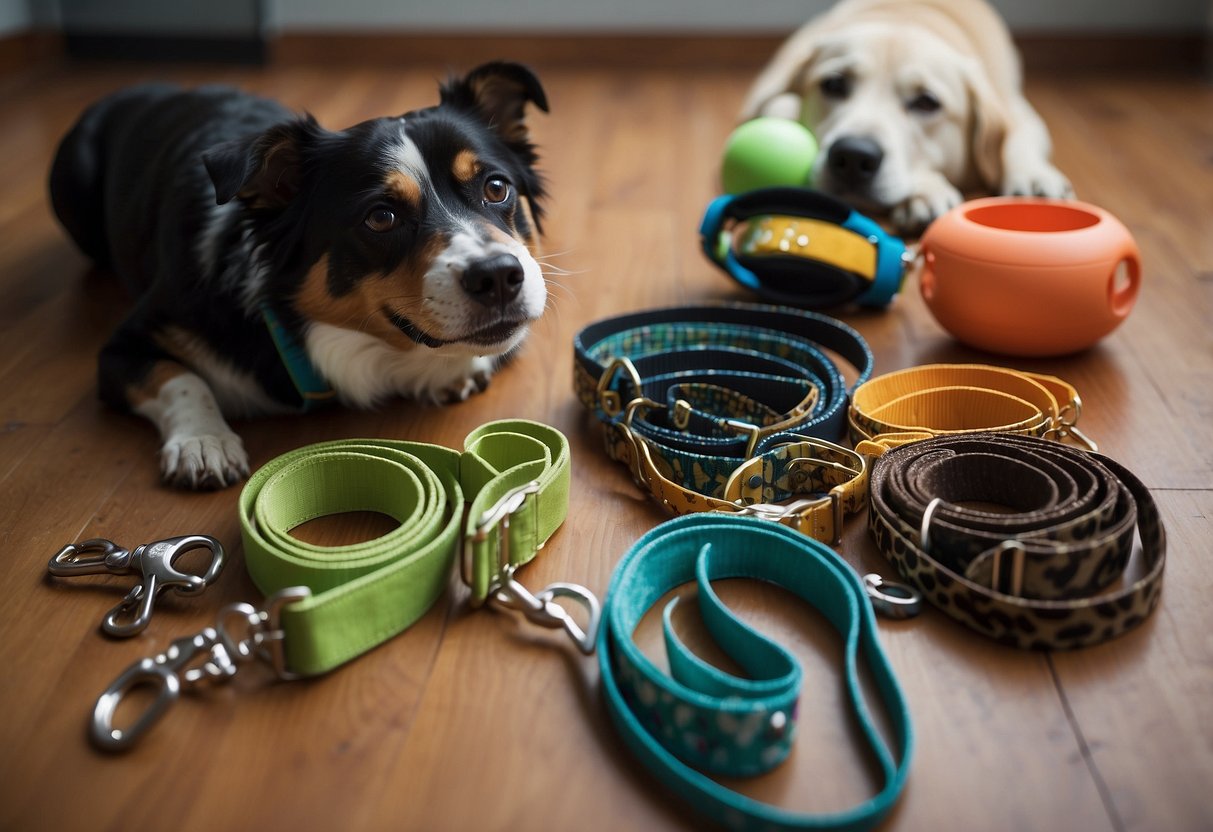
[[313, 390]]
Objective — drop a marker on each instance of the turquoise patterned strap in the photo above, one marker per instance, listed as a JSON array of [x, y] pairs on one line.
[[697, 720]]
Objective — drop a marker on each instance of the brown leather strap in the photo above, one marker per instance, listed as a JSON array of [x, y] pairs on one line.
[[1021, 539]]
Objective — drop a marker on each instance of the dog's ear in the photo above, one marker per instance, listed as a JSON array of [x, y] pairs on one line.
[[263, 169], [989, 132], [498, 92], [779, 88]]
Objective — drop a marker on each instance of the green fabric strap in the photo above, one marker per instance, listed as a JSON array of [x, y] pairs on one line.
[[365, 593]]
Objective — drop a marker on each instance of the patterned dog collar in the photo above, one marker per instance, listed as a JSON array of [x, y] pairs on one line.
[[1041, 577], [698, 719], [798, 246], [729, 408]]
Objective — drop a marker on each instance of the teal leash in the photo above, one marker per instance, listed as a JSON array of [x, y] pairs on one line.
[[697, 720]]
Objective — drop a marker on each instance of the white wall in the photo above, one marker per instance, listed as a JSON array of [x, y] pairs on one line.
[[701, 15], [520, 16], [14, 17]]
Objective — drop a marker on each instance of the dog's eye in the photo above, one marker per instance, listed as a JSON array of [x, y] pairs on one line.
[[381, 220], [496, 190], [924, 102], [835, 86]]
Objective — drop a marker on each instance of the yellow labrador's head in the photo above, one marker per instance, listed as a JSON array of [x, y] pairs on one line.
[[891, 104]]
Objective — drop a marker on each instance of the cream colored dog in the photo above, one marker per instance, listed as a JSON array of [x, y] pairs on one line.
[[912, 102]]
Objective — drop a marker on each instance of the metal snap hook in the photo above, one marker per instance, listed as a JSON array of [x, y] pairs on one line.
[[541, 608], [166, 671], [891, 599], [155, 562]]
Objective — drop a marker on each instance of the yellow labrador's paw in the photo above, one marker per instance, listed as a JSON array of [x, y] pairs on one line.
[[204, 463], [933, 196], [1037, 179]]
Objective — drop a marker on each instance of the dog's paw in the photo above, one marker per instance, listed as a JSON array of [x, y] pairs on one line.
[[1037, 179], [463, 389], [932, 197], [205, 462]]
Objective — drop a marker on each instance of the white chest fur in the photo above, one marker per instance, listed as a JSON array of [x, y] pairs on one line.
[[363, 370]]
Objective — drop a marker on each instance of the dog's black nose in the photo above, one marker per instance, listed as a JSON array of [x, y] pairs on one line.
[[854, 160], [494, 281]]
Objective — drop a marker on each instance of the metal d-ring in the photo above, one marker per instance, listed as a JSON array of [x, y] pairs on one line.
[[891, 599], [924, 530]]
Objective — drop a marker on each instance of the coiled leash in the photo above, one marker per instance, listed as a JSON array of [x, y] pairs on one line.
[[328, 605], [1041, 577], [729, 407], [697, 720], [799, 246], [941, 399]]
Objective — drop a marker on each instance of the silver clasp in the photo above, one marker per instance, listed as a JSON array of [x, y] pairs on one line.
[[542, 609], [213, 654], [498, 515], [155, 562], [891, 599]]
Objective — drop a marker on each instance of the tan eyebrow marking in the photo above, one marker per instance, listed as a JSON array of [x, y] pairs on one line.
[[465, 166], [404, 187]]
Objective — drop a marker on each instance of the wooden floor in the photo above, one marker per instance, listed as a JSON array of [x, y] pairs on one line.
[[472, 721]]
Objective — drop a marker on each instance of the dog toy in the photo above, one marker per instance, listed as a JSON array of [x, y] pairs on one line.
[[1029, 277], [801, 247], [767, 152]]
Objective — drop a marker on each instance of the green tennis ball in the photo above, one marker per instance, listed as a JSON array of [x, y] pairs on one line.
[[767, 152]]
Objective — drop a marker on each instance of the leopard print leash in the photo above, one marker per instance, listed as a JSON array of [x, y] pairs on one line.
[[1049, 575]]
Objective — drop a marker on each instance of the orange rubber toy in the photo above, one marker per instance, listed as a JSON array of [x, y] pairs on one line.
[[1029, 277]]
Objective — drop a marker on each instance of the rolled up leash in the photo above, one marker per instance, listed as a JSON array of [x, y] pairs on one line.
[[729, 407], [329, 604], [802, 247], [697, 720], [949, 399], [1042, 576]]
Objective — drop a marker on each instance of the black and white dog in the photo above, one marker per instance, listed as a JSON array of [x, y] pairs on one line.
[[276, 263]]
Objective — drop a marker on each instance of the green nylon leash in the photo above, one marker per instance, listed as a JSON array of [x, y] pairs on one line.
[[697, 720], [492, 507], [364, 593]]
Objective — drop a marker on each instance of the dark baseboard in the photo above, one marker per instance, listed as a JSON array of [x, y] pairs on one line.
[[1181, 52], [1186, 53], [28, 50], [247, 50], [1172, 52], [548, 49]]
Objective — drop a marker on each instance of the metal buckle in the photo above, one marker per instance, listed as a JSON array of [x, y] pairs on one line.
[[1017, 566], [1064, 425], [752, 430], [609, 401], [541, 609], [797, 509], [498, 515], [154, 561], [682, 414], [211, 654]]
